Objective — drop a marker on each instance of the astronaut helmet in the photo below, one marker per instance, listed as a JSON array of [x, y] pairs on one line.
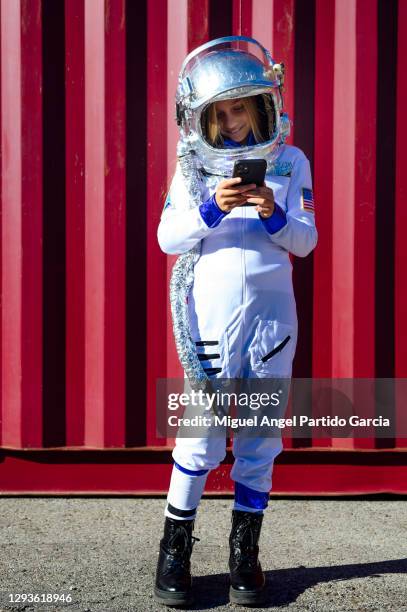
[[226, 69]]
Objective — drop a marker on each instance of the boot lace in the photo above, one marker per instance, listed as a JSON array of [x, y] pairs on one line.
[[245, 552], [180, 546]]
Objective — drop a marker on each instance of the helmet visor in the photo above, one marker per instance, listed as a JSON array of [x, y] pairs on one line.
[[243, 120]]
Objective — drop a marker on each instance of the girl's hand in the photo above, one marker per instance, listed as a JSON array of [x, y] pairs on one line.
[[264, 198], [229, 194]]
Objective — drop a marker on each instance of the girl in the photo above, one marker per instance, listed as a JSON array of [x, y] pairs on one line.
[[235, 242]]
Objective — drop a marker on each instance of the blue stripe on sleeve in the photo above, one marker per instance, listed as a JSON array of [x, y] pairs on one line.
[[211, 213], [250, 498], [277, 220]]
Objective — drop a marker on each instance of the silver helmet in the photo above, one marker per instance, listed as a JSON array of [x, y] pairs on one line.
[[223, 69]]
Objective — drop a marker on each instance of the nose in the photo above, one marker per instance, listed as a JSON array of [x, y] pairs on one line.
[[229, 121]]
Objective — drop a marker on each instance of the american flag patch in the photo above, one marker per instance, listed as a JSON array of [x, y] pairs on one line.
[[307, 200]]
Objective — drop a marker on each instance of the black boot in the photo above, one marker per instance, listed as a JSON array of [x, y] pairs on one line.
[[246, 576], [173, 581]]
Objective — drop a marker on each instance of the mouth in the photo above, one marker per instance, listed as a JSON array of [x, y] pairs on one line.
[[236, 131]]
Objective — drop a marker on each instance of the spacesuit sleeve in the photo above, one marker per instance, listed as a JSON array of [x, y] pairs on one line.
[[299, 234], [181, 227]]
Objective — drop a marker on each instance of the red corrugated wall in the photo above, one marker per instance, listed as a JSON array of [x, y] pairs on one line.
[[88, 143]]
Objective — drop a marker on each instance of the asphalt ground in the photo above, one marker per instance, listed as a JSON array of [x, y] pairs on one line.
[[320, 555]]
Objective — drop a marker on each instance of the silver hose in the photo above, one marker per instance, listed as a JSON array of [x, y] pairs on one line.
[[182, 279]]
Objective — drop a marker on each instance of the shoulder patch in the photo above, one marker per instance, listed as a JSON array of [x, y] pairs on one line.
[[281, 168], [307, 200]]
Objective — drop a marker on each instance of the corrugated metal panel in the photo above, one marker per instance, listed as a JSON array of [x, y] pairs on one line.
[[22, 224], [400, 248], [87, 152]]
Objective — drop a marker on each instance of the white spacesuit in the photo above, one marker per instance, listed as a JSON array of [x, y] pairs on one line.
[[242, 305]]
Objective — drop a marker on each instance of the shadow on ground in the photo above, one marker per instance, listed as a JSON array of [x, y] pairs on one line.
[[286, 585]]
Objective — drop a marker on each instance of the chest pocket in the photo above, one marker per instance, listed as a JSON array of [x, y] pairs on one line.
[[279, 185]]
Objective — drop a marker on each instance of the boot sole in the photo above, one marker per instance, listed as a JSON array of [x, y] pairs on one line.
[[172, 599], [245, 598]]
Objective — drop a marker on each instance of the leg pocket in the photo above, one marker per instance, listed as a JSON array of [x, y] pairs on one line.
[[273, 347]]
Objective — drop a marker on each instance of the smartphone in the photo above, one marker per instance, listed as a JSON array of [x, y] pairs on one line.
[[251, 171]]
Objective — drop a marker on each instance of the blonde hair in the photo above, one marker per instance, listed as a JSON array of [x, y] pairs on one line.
[[211, 127]]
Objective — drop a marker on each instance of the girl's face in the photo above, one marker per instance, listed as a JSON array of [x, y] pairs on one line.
[[233, 120]]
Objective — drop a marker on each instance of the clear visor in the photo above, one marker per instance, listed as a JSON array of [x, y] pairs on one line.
[[245, 120]]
